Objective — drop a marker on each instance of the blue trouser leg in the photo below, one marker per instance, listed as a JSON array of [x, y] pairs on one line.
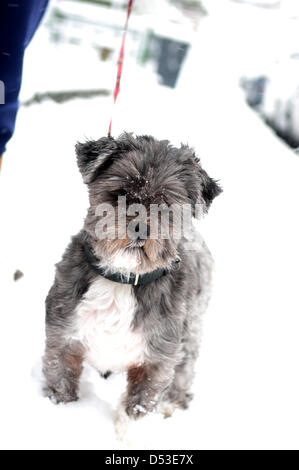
[[19, 20]]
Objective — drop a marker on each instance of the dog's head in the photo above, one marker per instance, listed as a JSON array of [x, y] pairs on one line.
[[140, 190]]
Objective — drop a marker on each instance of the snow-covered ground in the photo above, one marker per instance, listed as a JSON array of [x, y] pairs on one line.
[[247, 383]]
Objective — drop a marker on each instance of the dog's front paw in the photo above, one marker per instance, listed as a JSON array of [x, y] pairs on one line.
[[60, 394], [137, 409]]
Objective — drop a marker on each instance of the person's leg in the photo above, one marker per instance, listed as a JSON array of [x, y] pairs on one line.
[[19, 20]]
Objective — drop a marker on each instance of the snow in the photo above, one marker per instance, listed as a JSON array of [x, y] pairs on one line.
[[247, 385]]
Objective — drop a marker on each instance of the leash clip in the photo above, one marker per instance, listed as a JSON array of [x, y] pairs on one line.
[[136, 279]]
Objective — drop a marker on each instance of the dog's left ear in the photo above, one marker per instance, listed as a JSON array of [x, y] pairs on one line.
[[202, 189], [95, 156], [210, 188]]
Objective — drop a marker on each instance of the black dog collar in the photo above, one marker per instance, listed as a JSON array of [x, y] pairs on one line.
[[133, 279]]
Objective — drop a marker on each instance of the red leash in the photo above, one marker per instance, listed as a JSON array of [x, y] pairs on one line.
[[121, 59]]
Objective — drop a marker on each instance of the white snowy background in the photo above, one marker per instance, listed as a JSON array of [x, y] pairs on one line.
[[247, 386]]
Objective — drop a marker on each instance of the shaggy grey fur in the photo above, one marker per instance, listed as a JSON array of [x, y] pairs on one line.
[[169, 309]]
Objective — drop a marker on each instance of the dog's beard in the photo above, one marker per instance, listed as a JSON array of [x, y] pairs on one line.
[[123, 256], [128, 260]]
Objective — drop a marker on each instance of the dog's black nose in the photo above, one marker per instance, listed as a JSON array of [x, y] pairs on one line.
[[143, 229], [139, 233]]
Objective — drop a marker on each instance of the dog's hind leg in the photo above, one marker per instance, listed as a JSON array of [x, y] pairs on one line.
[[62, 367], [178, 394]]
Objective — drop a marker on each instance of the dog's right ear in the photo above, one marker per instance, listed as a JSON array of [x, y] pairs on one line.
[[95, 156]]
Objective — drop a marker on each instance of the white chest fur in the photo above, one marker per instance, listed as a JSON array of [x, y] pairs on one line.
[[104, 326]]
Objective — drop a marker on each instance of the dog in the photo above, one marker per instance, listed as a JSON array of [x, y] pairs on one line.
[[132, 301]]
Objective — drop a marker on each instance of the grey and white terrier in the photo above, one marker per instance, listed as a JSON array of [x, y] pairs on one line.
[[131, 299]]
